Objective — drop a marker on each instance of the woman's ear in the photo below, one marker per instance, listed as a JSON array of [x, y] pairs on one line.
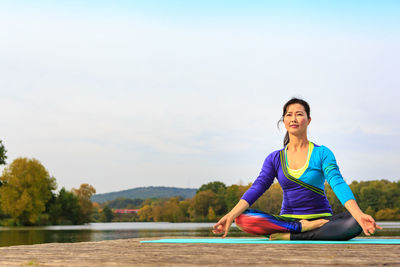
[[309, 120]]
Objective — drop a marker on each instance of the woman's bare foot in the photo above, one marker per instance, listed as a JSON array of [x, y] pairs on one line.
[[279, 236], [310, 225]]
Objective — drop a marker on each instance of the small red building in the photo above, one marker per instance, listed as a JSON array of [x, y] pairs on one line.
[[125, 210]]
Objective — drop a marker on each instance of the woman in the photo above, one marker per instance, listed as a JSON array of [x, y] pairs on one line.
[[301, 168]]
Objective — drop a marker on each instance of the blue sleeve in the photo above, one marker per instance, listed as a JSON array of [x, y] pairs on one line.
[[262, 183], [334, 177]]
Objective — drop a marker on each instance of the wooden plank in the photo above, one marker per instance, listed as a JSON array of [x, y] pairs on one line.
[[130, 252]]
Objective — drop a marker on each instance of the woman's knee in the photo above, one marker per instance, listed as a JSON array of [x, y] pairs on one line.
[[249, 224], [345, 229], [352, 226], [339, 229]]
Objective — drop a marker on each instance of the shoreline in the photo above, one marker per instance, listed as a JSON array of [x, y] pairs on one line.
[[130, 252]]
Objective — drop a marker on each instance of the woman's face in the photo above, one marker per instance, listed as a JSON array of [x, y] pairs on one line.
[[296, 120]]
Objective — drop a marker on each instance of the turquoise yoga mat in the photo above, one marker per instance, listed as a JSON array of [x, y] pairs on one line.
[[375, 241]]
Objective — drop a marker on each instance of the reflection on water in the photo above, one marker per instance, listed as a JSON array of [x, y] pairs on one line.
[[108, 231]]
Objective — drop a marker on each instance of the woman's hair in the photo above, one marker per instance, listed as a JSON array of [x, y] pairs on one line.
[[294, 100]]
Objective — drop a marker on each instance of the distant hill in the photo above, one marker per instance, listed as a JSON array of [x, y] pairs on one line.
[[146, 192]]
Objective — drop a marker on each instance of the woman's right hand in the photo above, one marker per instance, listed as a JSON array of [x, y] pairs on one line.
[[223, 225]]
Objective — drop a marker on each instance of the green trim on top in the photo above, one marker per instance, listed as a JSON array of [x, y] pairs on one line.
[[295, 180], [330, 167], [306, 216]]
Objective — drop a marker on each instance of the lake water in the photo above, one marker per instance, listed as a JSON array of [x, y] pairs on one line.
[[10, 236]]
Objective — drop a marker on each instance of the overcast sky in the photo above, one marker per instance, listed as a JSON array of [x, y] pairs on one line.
[[122, 94]]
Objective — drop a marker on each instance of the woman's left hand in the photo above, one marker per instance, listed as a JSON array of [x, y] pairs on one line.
[[367, 223]]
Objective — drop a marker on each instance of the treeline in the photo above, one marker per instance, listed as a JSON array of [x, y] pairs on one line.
[[379, 198], [27, 197]]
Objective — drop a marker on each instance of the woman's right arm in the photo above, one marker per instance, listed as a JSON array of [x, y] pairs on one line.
[[223, 225], [260, 185]]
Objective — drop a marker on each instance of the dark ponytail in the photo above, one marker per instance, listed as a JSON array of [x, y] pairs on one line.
[[290, 102], [286, 139]]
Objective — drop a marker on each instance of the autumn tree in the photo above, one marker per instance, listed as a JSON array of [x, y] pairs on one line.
[[387, 215], [26, 188], [199, 206], [271, 200], [172, 211], [84, 193], [145, 213], [211, 215], [219, 188]]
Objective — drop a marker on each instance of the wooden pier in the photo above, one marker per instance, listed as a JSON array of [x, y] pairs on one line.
[[130, 252]]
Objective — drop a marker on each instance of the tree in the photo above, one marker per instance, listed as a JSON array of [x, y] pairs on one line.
[[107, 214], [388, 215], [84, 193], [219, 188], [271, 200], [232, 196], [157, 213], [3, 155], [216, 187], [200, 204], [26, 188], [171, 211], [124, 203], [65, 208], [184, 207], [145, 213], [211, 215]]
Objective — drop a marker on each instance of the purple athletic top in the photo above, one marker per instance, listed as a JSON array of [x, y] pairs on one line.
[[308, 198]]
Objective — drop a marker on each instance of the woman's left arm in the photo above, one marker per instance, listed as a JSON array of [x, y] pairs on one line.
[[366, 221], [344, 194]]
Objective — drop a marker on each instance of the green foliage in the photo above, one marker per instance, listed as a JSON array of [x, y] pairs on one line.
[[27, 187], [125, 217], [65, 209], [106, 214], [232, 196], [377, 194], [216, 187], [124, 203], [3, 155]]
